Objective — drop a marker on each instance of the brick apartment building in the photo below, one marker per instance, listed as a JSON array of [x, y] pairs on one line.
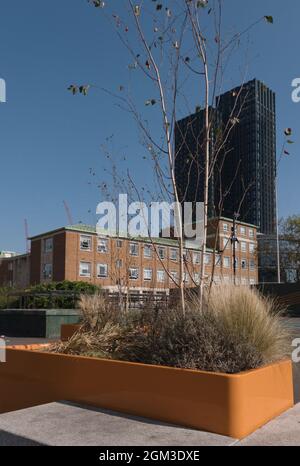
[[77, 253]]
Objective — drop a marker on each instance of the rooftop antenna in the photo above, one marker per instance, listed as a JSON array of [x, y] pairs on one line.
[[69, 215], [27, 236]]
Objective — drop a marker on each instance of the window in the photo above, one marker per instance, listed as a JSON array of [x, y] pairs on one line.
[[85, 243], [174, 276], [251, 233], [243, 231], [147, 251], [10, 266], [196, 258], [243, 246], [207, 259], [47, 271], [226, 262], [173, 254], [48, 244], [160, 276], [186, 277], [119, 243], [252, 281], [85, 269], [119, 263], [226, 243], [102, 245], [161, 253], [244, 264], [218, 260], [236, 261], [102, 270], [225, 227], [197, 278], [133, 273], [251, 248], [147, 274], [252, 264], [133, 249]]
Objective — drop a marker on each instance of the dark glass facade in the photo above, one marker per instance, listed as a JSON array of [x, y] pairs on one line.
[[244, 175]]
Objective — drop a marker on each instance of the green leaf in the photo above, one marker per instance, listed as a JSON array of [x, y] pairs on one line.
[[269, 19]]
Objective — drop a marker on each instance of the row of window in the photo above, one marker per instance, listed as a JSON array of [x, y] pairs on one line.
[[243, 246], [241, 230], [243, 263], [85, 270], [134, 249]]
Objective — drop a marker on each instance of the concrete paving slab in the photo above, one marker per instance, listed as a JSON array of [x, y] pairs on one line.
[[283, 431], [65, 424]]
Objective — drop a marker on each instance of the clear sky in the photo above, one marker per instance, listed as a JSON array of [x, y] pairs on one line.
[[50, 140]]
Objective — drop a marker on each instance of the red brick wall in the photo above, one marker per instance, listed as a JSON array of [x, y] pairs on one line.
[[35, 265], [59, 254]]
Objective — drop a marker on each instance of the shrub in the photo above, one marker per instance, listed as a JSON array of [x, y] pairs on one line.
[[236, 330], [50, 299]]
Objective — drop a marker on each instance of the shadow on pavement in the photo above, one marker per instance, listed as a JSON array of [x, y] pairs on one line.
[[8, 439]]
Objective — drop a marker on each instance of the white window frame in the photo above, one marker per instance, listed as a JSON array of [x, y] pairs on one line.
[[174, 275], [251, 248], [132, 248], [148, 247], [197, 278], [133, 273], [102, 245], [161, 276], [119, 263], [226, 243], [163, 250], [89, 240], [48, 248], [196, 258], [173, 257], [148, 274], [226, 262], [244, 264], [88, 274], [99, 275], [243, 231], [252, 264], [207, 259], [49, 275], [243, 246], [225, 227], [218, 260], [251, 233], [119, 243]]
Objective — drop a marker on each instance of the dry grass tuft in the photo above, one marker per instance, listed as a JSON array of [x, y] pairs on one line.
[[236, 330]]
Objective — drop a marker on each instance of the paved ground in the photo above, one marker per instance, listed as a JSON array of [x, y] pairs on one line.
[[64, 424]]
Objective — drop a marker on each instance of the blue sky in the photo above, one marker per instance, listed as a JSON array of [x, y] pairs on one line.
[[50, 140]]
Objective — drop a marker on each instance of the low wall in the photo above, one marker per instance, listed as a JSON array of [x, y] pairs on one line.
[[36, 323]]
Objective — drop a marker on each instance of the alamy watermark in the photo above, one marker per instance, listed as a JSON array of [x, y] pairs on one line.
[[158, 219], [2, 91]]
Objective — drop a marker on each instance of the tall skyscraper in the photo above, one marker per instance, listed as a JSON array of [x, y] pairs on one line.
[[244, 176]]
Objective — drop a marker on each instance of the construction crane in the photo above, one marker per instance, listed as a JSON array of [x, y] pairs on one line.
[[69, 215], [27, 236]]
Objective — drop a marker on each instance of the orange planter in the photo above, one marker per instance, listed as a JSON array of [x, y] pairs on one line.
[[231, 405], [68, 330]]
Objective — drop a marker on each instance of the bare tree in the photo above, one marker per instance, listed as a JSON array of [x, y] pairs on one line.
[[173, 50]]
